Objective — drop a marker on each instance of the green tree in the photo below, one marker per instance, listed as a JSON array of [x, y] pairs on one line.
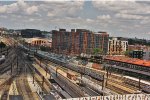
[[127, 53], [97, 51]]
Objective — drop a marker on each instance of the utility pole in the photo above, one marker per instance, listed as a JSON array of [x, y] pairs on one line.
[[40, 61], [43, 82], [107, 76], [56, 71], [11, 68], [7, 51], [103, 82], [17, 62], [36, 49], [139, 83], [33, 77], [46, 70]]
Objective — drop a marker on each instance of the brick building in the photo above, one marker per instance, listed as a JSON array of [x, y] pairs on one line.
[[78, 41]]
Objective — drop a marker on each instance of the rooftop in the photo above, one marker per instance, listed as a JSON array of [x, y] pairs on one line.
[[29, 40], [134, 61]]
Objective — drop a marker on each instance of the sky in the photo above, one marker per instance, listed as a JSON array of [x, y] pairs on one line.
[[125, 18]]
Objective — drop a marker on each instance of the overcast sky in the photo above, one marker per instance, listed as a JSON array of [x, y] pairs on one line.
[[125, 18]]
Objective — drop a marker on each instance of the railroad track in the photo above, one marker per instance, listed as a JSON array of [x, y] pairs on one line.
[[60, 79], [38, 77], [117, 83], [23, 87], [5, 89], [5, 92], [87, 90]]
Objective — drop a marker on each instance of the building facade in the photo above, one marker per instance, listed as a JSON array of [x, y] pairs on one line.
[[101, 41], [78, 41], [117, 46], [137, 54]]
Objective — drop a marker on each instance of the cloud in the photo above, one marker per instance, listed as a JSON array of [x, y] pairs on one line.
[[89, 20], [9, 8], [50, 14], [130, 16], [32, 9], [113, 16], [3, 16], [68, 8], [19, 6], [123, 6], [34, 19], [103, 17]]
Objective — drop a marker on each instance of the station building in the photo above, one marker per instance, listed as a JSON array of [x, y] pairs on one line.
[[130, 66]]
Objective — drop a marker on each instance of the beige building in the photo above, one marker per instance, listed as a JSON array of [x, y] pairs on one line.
[[1, 31], [117, 46], [39, 42]]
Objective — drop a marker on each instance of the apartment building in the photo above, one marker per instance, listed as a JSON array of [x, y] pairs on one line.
[[78, 41], [101, 41], [117, 46]]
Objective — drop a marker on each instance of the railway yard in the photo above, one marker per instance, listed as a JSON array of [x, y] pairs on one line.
[[47, 76]]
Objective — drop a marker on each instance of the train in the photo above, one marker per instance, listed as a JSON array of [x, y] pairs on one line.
[[77, 68], [144, 85], [82, 70]]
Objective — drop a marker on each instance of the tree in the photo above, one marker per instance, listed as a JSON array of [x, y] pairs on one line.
[[97, 51], [2, 45], [127, 53], [43, 48]]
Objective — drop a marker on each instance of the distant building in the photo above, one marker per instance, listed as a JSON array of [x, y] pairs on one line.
[[146, 55], [39, 42], [78, 41], [136, 54], [2, 31], [30, 33], [138, 47], [117, 46]]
